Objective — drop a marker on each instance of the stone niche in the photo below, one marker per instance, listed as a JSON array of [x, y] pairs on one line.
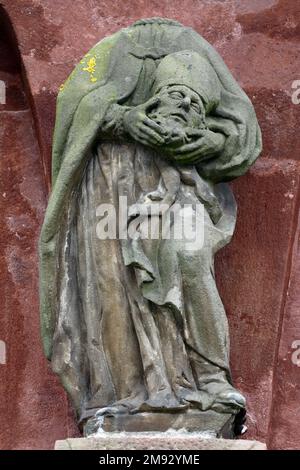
[[259, 271]]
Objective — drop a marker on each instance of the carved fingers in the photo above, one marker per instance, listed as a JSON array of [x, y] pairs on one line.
[[142, 128], [207, 143], [152, 132]]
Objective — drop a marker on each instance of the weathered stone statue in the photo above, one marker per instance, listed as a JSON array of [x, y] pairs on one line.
[[134, 326]]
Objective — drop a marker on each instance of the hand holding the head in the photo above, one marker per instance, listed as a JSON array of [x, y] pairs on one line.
[[203, 143], [174, 121], [141, 128]]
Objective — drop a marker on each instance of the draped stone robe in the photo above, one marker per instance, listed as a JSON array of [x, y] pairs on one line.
[[142, 327]]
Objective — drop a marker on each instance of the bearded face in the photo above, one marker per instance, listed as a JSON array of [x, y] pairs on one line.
[[179, 109]]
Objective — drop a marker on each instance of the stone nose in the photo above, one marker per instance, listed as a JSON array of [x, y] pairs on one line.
[[186, 103]]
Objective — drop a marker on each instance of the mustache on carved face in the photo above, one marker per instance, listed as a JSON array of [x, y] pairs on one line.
[[163, 116]]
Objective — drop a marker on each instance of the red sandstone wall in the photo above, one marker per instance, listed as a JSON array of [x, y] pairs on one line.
[[258, 273]]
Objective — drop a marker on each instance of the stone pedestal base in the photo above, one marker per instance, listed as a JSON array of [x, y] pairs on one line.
[[171, 440], [215, 424]]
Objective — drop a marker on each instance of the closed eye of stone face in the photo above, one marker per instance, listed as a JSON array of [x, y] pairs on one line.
[[196, 106], [176, 94], [183, 93]]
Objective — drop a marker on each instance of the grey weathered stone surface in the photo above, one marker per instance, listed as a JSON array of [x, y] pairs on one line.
[[217, 424], [157, 441], [132, 320]]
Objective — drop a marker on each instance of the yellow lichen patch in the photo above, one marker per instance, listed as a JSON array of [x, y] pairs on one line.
[[90, 68], [90, 65], [61, 87]]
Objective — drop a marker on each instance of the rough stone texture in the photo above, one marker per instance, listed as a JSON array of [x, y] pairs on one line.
[[258, 273], [32, 402], [286, 397], [254, 269], [156, 441], [217, 424]]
